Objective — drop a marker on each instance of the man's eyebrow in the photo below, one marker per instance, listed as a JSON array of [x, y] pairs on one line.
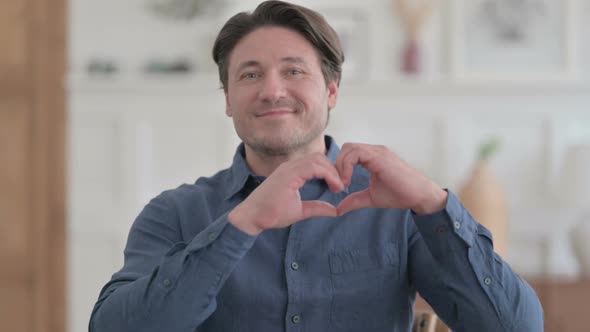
[[289, 59], [294, 59], [249, 63]]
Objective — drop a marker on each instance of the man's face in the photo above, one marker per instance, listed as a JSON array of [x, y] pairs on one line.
[[276, 93]]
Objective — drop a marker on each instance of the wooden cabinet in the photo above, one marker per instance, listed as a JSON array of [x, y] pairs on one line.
[[32, 162], [566, 304]]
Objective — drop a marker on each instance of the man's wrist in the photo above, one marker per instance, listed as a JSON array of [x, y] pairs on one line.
[[240, 220], [434, 202]]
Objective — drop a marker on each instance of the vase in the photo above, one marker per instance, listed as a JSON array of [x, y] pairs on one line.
[[411, 57], [485, 199]]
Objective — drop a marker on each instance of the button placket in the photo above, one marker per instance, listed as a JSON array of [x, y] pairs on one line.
[[292, 270]]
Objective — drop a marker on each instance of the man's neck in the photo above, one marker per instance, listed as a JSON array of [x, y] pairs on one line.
[[263, 164]]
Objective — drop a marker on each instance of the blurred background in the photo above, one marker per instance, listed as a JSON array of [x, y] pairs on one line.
[[490, 98]]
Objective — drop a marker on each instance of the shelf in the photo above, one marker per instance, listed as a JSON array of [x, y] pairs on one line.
[[144, 84], [207, 84]]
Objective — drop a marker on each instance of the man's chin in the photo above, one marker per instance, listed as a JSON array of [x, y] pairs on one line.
[[275, 146]]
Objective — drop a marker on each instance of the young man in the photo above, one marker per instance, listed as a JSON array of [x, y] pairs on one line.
[[298, 235]]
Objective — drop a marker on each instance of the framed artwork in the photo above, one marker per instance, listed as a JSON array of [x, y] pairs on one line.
[[352, 27], [514, 40]]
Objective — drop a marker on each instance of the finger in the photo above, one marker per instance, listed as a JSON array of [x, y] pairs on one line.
[[355, 201], [355, 155], [321, 168], [344, 171], [343, 151], [368, 156], [318, 209], [328, 172]]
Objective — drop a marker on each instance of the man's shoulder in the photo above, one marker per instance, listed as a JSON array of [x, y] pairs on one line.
[[204, 187]]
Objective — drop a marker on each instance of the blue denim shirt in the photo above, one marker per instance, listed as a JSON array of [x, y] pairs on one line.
[[188, 269]]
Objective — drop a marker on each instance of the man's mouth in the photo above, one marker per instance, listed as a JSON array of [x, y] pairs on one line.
[[275, 112]]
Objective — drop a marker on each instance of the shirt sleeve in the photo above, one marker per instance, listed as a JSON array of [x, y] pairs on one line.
[[165, 284], [455, 269]]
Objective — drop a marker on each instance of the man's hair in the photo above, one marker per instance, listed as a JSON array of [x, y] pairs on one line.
[[310, 24]]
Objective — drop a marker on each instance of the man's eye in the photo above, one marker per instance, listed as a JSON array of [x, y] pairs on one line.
[[250, 75], [295, 72]]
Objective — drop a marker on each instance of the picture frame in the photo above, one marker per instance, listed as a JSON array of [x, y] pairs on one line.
[[352, 26], [504, 40]]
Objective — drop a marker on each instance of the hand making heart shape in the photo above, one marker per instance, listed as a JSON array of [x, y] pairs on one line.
[[276, 203], [393, 183]]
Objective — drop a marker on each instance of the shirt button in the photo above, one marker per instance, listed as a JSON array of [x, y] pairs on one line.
[[167, 282], [457, 225], [212, 236], [296, 319], [487, 281], [295, 266]]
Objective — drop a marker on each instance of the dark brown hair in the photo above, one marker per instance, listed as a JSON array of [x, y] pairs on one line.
[[310, 24]]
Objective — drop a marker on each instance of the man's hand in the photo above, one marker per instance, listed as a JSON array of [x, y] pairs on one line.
[[393, 183], [276, 203]]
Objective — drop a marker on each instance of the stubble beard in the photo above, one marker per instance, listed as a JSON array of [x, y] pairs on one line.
[[286, 145]]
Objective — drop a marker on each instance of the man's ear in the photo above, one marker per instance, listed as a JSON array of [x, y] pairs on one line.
[[228, 110], [332, 94]]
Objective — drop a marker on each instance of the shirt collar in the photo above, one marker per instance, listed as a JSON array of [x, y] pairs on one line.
[[240, 172]]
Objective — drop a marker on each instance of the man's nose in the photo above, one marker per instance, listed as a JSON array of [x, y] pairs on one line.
[[272, 88]]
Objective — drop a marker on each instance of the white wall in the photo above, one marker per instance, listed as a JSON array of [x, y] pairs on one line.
[[132, 137]]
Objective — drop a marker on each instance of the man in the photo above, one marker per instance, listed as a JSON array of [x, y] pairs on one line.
[[297, 235]]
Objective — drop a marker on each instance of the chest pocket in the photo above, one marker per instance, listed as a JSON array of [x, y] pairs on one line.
[[364, 283]]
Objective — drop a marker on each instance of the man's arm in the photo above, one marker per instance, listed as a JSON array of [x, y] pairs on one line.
[[166, 285], [170, 286], [454, 267], [453, 264]]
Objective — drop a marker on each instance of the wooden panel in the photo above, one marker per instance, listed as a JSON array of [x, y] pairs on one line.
[[15, 199], [48, 56], [14, 83], [565, 304], [15, 315], [15, 54], [14, 23], [32, 152], [14, 270]]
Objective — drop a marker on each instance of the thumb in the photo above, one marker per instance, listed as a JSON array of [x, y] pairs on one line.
[[355, 201], [318, 209]]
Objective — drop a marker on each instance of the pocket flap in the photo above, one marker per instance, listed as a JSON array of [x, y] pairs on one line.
[[364, 259]]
